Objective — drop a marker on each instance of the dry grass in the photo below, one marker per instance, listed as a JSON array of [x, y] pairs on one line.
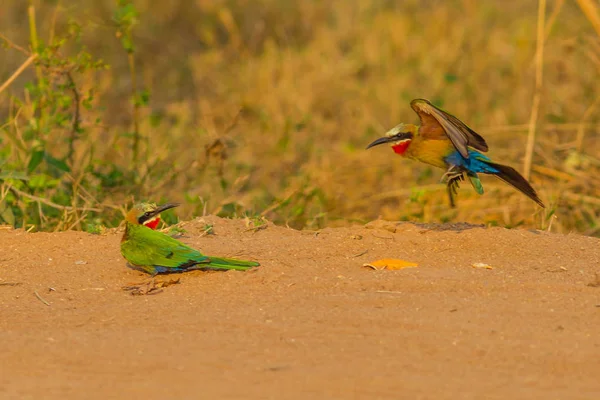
[[264, 107]]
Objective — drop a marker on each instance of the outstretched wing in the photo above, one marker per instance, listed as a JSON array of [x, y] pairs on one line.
[[435, 124], [159, 250]]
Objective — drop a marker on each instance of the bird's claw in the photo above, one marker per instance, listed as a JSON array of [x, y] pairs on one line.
[[453, 173], [452, 178]]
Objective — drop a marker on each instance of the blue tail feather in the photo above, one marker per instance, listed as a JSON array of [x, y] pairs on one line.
[[476, 162]]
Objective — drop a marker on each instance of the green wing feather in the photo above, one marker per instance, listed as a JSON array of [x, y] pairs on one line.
[[146, 247]]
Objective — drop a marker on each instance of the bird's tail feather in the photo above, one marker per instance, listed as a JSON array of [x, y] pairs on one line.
[[231, 263], [516, 180]]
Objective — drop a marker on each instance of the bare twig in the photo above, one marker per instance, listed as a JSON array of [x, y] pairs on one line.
[[15, 46], [383, 237], [75, 128], [151, 287], [234, 122], [362, 253], [277, 204], [40, 298], [77, 221], [50, 203], [18, 72], [257, 228], [136, 108]]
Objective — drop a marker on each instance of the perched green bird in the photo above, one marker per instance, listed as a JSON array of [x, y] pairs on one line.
[[442, 140], [154, 252]]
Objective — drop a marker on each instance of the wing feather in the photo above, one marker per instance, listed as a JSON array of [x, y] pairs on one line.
[[161, 250], [436, 123]]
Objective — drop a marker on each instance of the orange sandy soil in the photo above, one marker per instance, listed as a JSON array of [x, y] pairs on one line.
[[311, 322]]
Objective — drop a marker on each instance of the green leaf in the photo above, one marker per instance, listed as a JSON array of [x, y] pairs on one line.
[[127, 44], [450, 78], [556, 119], [56, 163], [143, 98], [155, 119], [35, 160], [7, 215], [39, 181]]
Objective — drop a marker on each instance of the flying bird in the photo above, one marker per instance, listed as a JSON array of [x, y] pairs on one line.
[[442, 140]]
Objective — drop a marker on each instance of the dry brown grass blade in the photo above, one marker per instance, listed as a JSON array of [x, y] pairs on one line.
[[539, 71], [553, 173], [581, 128], [590, 9], [558, 4], [577, 198], [50, 203]]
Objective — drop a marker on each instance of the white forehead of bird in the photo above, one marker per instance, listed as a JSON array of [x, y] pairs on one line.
[[400, 128], [145, 206], [396, 130]]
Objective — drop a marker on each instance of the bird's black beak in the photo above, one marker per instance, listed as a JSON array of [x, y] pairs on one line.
[[382, 140], [165, 207], [151, 214]]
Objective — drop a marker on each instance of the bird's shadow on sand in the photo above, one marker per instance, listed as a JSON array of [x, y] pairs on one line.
[[454, 226], [393, 226]]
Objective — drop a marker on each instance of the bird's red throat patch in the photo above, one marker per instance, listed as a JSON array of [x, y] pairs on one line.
[[153, 223], [401, 146]]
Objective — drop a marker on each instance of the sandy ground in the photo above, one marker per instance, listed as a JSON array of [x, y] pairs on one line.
[[311, 322]]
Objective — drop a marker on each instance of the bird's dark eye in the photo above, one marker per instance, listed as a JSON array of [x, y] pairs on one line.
[[147, 214]]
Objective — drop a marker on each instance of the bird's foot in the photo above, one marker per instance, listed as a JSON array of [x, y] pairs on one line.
[[453, 173], [452, 188], [454, 183], [452, 178]]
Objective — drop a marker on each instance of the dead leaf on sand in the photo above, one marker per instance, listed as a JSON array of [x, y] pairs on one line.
[[150, 287], [390, 264]]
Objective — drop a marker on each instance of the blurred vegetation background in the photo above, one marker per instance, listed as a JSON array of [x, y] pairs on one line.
[[263, 109]]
